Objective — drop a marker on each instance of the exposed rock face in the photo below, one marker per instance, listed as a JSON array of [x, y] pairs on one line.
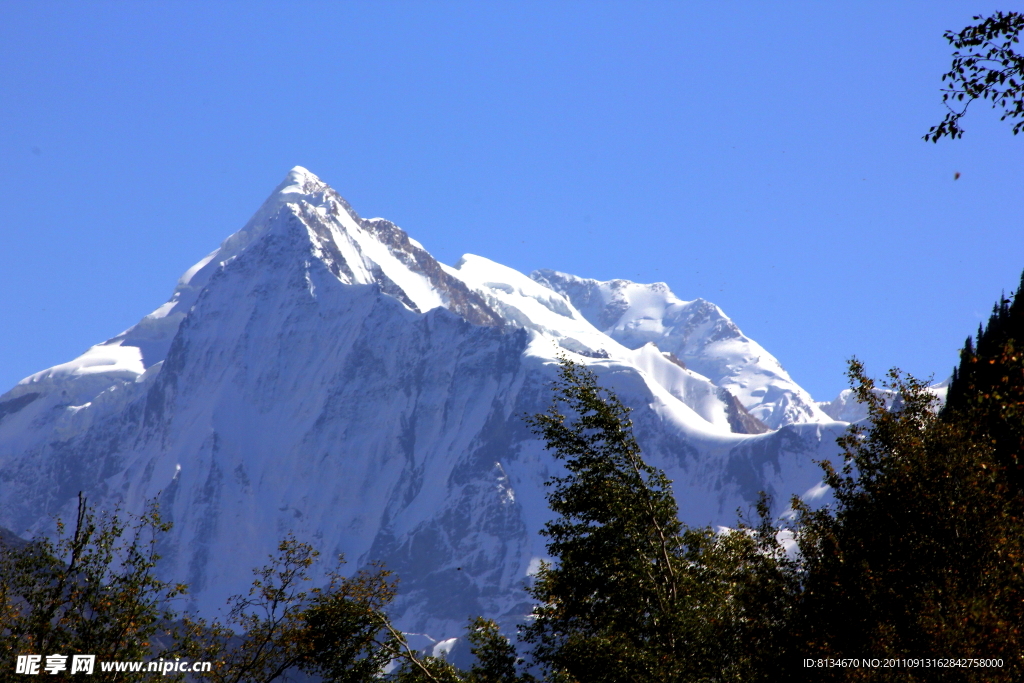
[[740, 419], [322, 374]]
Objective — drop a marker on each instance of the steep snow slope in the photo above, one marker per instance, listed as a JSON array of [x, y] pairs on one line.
[[322, 374], [525, 303], [696, 332]]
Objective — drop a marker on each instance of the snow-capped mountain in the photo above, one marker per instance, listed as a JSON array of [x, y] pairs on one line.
[[696, 332], [846, 408], [323, 374]]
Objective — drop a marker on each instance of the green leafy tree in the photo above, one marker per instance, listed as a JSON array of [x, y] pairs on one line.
[[986, 66], [94, 592], [339, 632], [348, 635], [607, 610], [427, 669], [634, 595], [921, 555], [91, 592], [497, 659]]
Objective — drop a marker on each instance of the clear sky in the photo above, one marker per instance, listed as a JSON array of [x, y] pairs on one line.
[[764, 156]]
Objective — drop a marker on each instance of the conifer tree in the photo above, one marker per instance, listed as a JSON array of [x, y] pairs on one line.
[[987, 390], [634, 595]]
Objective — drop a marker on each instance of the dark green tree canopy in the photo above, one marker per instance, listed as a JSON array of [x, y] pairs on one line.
[[922, 553], [634, 594], [987, 390]]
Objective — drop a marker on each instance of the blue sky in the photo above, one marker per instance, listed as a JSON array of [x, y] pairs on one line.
[[764, 156]]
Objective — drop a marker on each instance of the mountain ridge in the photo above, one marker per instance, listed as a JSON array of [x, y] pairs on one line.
[[321, 374], [696, 332]]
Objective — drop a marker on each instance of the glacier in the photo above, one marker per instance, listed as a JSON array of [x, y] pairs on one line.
[[322, 374]]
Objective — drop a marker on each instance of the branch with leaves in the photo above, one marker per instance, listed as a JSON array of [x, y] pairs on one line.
[[985, 67], [91, 592]]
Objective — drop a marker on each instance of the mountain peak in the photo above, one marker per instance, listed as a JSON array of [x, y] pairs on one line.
[[302, 182], [300, 186], [309, 218]]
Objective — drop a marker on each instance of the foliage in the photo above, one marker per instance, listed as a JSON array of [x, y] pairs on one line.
[[987, 390], [349, 637], [92, 592], [427, 669], [339, 632], [987, 67], [607, 610], [497, 661], [95, 593], [635, 595], [921, 555]]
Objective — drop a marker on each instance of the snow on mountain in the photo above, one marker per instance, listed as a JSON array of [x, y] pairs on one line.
[[322, 374], [846, 408], [523, 302], [696, 332]]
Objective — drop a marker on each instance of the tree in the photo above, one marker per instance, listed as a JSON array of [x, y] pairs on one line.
[[92, 592], [349, 635], [985, 67], [634, 595], [497, 660], [606, 612], [987, 390], [922, 555], [339, 632]]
